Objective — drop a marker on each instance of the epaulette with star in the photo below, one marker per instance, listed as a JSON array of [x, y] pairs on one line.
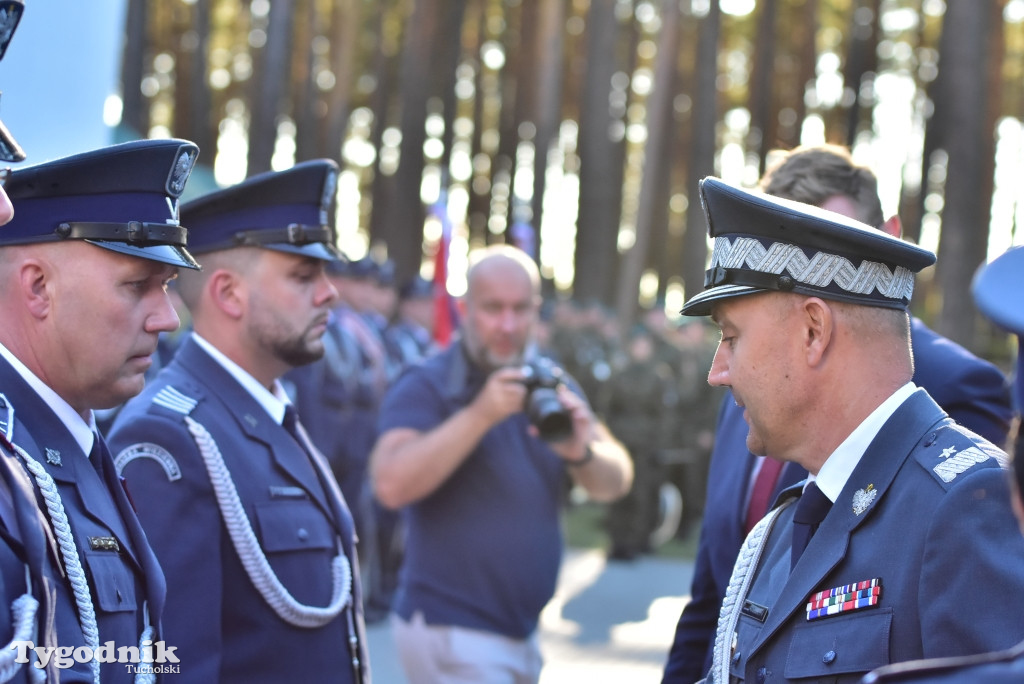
[[951, 451]]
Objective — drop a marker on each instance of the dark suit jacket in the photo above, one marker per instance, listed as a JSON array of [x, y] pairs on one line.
[[972, 391], [96, 506], [222, 627], [937, 533]]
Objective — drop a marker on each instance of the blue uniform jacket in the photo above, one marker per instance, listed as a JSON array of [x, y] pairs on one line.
[[121, 581], [972, 391], [222, 627], [26, 548], [926, 512]]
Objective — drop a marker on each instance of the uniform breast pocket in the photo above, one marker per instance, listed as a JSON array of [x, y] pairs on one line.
[[112, 581], [858, 642], [289, 526]]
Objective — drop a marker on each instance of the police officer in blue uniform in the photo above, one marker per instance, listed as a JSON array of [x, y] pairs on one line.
[[246, 518], [900, 545], [27, 561], [996, 288], [84, 267], [971, 390]]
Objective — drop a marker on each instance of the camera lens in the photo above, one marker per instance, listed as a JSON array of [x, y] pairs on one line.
[[553, 421]]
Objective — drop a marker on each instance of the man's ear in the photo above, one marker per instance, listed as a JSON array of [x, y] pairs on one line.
[[892, 226], [34, 286], [818, 328], [227, 292]]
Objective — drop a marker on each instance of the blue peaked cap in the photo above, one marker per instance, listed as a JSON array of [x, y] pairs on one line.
[[998, 289], [765, 243], [123, 198], [286, 211]]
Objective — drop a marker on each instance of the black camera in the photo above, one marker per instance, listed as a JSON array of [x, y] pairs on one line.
[[545, 411]]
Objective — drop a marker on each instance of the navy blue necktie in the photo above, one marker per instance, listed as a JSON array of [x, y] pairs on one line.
[[811, 509]]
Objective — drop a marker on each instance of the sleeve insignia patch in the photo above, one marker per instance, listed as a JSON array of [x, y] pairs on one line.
[[149, 450]]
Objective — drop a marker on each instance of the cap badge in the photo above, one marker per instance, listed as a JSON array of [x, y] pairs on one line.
[[330, 188], [180, 170], [862, 498]]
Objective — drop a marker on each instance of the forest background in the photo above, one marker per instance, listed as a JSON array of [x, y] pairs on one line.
[[578, 129]]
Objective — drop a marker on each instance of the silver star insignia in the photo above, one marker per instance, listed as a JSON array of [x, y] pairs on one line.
[[947, 452]]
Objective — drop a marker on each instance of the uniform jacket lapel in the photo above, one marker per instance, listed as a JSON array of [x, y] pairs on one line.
[[884, 458], [65, 461], [253, 421]]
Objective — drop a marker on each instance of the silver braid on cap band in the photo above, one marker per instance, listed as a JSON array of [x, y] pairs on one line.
[[820, 270], [251, 555], [739, 584]]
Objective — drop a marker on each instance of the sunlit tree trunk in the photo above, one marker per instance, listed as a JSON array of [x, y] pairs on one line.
[[600, 180], [762, 111], [860, 59], [269, 84], [659, 107], [964, 62], [547, 115], [383, 68], [344, 32], [807, 59], [134, 109], [305, 99], [702, 163], [403, 233]]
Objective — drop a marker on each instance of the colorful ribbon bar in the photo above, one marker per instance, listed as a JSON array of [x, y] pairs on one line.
[[845, 598]]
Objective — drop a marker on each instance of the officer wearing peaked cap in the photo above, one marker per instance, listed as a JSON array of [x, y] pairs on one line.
[[862, 564], [84, 267], [263, 587], [28, 565]]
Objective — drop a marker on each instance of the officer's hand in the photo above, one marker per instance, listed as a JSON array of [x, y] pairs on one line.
[[502, 395]]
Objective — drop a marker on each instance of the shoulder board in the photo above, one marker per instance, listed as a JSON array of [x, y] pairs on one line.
[[173, 400], [951, 450]]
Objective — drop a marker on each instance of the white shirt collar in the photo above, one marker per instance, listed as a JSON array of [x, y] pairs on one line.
[[272, 402], [83, 432], [840, 464]]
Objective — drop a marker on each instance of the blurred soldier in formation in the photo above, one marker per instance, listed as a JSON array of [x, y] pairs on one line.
[[411, 334], [641, 411]]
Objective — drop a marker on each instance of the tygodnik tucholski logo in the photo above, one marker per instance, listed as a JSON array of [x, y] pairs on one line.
[[153, 657]]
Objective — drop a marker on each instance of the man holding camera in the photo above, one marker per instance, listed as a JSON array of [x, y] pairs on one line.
[[480, 488]]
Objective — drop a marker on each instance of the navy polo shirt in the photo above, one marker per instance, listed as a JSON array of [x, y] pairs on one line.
[[483, 550]]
